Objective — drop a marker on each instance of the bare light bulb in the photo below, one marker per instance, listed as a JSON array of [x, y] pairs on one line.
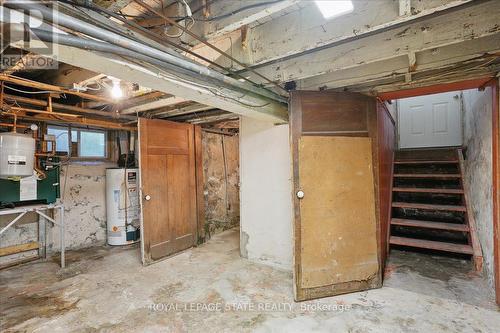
[[116, 91]]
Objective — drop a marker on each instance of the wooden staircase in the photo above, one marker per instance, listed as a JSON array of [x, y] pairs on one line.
[[429, 204]]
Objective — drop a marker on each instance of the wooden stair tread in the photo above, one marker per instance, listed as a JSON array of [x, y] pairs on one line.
[[430, 225], [429, 206], [431, 245], [425, 162], [428, 175], [428, 190]]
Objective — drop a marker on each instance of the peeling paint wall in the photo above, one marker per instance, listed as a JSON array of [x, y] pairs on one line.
[[85, 212], [84, 198], [221, 179], [266, 193], [478, 168]]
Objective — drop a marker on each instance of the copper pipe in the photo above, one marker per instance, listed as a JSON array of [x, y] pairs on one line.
[[172, 22]]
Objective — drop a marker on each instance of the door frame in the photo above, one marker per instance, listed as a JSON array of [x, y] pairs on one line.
[[479, 83]]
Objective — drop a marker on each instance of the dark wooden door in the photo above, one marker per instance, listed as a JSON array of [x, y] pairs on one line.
[[168, 187], [335, 194]]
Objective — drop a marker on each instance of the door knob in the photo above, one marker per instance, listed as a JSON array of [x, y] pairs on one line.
[[147, 197], [300, 194]]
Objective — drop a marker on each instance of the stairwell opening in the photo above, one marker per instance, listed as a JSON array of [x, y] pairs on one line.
[[442, 215]]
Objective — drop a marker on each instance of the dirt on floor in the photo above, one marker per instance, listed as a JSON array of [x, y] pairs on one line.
[[212, 289]]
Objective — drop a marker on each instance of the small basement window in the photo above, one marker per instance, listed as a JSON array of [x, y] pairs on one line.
[[83, 143]]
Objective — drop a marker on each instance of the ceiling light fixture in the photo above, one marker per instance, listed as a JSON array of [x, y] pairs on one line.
[[116, 91], [334, 8]]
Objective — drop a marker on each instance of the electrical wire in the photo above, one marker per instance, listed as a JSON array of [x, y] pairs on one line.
[[182, 31], [28, 92]]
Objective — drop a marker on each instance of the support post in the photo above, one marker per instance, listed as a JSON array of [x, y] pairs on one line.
[[42, 237], [63, 265]]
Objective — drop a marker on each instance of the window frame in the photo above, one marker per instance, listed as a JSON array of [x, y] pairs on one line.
[[69, 128]]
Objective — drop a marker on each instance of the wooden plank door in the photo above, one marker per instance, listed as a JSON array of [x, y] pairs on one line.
[[335, 194], [168, 187], [430, 121]]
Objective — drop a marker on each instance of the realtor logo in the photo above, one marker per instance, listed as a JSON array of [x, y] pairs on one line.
[[21, 48]]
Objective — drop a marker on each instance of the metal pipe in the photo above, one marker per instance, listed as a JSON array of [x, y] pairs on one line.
[[64, 20], [157, 38], [213, 47]]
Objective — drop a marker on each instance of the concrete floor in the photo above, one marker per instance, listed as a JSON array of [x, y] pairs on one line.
[[212, 289]]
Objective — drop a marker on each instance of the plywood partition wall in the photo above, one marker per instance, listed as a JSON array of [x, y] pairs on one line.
[[341, 192]]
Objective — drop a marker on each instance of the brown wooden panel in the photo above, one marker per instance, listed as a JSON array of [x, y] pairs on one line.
[[174, 139], [168, 177], [344, 116], [339, 239], [335, 113], [385, 145]]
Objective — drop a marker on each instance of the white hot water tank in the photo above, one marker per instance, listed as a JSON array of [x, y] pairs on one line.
[[122, 206], [17, 155]]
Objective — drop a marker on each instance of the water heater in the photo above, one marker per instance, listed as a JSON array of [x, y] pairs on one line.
[[17, 154], [122, 206]]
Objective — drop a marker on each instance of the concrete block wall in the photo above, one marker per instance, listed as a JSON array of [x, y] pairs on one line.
[[266, 186], [477, 112]]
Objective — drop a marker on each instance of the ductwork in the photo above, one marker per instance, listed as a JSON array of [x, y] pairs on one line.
[[139, 49]]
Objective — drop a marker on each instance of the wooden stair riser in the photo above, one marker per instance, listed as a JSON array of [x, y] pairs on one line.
[[446, 236], [429, 198], [453, 183], [427, 168]]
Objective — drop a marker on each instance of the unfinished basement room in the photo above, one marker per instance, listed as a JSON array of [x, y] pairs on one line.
[[250, 166]]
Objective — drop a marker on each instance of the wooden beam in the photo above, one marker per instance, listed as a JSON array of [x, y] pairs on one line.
[[218, 28], [305, 30], [181, 111], [435, 89], [427, 34], [153, 105], [371, 74], [65, 107], [80, 121], [49, 87]]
